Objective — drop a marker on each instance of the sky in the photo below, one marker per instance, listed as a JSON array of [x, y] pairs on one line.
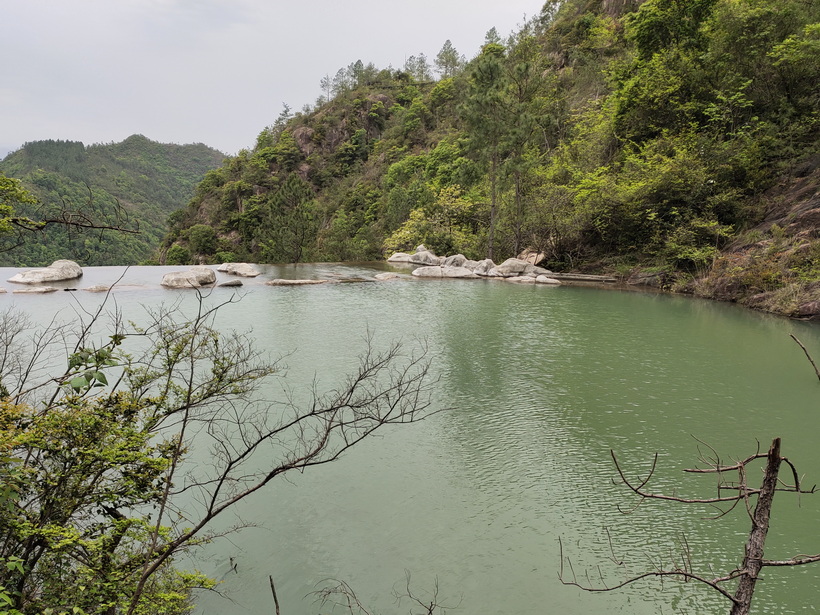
[[207, 71]]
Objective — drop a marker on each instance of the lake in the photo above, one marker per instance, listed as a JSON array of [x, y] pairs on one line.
[[537, 384]]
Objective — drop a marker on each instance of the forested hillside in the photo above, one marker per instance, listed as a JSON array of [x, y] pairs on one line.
[[609, 135], [133, 185]]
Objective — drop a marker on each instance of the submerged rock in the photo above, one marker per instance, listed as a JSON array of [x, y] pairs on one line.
[[282, 282], [38, 290], [55, 272]]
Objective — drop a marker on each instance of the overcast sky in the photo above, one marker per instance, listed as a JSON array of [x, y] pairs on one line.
[[207, 71]]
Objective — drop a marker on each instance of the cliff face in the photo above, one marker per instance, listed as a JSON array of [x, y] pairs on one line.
[[775, 266]]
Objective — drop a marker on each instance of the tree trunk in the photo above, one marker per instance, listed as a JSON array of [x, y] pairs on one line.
[[753, 560], [493, 203]]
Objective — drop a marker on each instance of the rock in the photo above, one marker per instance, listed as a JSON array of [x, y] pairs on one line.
[[543, 279], [245, 270], [484, 267], [533, 270], [443, 272], [400, 257], [533, 258], [230, 284], [99, 288], [3, 290], [457, 260], [387, 275], [421, 248], [281, 282], [521, 279], [427, 272], [55, 272], [425, 257], [38, 290], [195, 277], [510, 267]]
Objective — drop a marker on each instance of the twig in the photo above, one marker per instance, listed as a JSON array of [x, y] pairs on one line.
[[808, 356], [273, 590]]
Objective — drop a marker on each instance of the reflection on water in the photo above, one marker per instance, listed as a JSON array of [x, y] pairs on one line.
[[539, 385]]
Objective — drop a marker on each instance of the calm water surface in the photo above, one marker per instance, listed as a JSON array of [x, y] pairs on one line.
[[539, 384]]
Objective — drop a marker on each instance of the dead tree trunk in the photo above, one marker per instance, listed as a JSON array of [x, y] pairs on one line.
[[753, 559]]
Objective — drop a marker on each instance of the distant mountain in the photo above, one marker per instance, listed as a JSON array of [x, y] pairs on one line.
[[134, 185]]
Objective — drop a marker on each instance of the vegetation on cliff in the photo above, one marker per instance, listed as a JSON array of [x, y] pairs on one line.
[[606, 134], [134, 184]]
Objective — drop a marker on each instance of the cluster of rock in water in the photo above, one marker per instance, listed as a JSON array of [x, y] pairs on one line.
[[429, 266], [458, 266]]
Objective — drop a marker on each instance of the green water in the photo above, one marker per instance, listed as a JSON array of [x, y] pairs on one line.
[[538, 385]]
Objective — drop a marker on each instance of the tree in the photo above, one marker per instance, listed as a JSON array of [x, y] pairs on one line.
[[418, 67], [740, 493], [484, 113], [102, 462], [448, 61]]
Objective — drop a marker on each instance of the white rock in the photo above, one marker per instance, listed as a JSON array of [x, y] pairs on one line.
[[425, 257], [386, 275], [456, 260], [245, 270], [55, 272], [484, 267], [543, 279], [521, 279], [400, 257], [509, 268], [195, 277], [427, 272]]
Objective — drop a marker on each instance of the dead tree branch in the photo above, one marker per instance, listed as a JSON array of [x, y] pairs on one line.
[[758, 503]]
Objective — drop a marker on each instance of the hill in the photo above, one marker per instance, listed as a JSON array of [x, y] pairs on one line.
[[134, 184], [654, 138]]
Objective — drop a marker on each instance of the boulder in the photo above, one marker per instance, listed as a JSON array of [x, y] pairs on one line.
[[534, 270], [425, 257], [195, 277], [99, 288], [509, 268], [3, 290], [427, 272], [456, 260], [543, 279], [55, 272], [400, 257], [245, 270], [484, 267], [386, 275], [421, 248], [521, 279], [230, 284]]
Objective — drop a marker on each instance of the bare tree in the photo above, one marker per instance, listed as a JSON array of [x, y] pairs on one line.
[[340, 594], [731, 493], [122, 461]]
